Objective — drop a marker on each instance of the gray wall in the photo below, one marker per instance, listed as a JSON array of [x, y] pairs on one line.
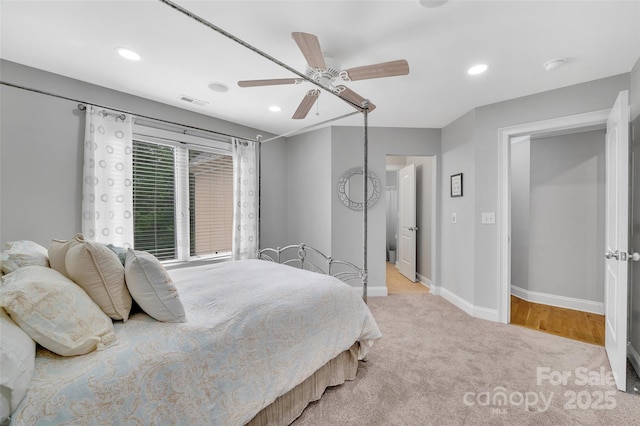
[[41, 153], [470, 251], [457, 249], [520, 189], [309, 190], [565, 216], [347, 152], [273, 178]]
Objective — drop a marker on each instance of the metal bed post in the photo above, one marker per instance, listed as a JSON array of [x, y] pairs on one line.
[[258, 166], [365, 204]]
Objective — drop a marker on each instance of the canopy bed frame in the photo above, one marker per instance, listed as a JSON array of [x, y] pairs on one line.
[[332, 372]]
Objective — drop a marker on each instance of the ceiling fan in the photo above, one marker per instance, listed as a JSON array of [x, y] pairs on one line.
[[326, 71]]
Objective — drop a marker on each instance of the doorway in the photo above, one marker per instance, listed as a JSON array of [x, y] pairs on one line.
[[616, 223], [423, 229], [557, 232]]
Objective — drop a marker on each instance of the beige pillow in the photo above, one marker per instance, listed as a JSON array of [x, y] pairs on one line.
[[55, 312], [97, 269], [152, 288], [58, 252], [17, 358], [17, 254]]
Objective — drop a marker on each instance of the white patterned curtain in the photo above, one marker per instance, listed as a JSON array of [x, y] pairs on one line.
[[107, 190], [245, 197]]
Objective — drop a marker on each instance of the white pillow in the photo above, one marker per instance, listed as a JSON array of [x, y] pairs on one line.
[[97, 269], [152, 288], [55, 312], [58, 252], [17, 357], [17, 254]]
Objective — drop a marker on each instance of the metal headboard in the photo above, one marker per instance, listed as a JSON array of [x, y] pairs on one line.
[[306, 257]]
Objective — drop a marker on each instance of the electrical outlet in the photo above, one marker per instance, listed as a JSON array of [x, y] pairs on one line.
[[454, 218], [488, 218]]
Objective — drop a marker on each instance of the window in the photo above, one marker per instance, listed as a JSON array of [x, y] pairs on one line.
[[182, 195]]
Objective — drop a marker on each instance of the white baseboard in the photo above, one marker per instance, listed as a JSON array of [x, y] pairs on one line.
[[374, 291], [424, 280], [559, 301], [475, 311]]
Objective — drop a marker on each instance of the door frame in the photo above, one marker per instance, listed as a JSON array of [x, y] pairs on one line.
[[560, 124]]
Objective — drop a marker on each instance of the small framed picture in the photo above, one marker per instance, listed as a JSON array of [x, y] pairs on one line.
[[456, 185]]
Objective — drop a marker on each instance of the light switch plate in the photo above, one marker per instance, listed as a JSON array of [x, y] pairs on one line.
[[488, 218], [454, 218]]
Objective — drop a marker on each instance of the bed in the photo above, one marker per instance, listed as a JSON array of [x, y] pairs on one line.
[[260, 342]]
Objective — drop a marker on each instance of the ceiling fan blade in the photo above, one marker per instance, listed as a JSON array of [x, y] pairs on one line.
[[348, 94], [310, 48], [307, 102], [272, 82], [385, 69]]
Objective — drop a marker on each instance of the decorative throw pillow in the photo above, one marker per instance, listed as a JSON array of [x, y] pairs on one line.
[[152, 288], [55, 312], [58, 252], [120, 251], [17, 254], [17, 357], [97, 269]]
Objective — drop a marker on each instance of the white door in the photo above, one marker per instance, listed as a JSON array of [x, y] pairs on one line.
[[616, 238], [407, 222]]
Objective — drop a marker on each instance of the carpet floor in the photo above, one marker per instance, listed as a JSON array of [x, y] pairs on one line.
[[436, 365]]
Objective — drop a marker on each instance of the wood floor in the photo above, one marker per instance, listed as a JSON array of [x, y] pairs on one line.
[[568, 323], [576, 325], [399, 284]]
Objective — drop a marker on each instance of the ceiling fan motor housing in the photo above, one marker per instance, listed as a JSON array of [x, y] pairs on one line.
[[325, 76]]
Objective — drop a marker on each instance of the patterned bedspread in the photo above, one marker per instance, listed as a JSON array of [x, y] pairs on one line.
[[254, 330]]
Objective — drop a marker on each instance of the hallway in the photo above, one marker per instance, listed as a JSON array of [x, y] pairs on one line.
[[399, 284]]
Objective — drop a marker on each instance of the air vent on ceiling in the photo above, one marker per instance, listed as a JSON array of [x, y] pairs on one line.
[[192, 100]]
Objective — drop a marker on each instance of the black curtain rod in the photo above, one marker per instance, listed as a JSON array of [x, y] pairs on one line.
[[42, 92]]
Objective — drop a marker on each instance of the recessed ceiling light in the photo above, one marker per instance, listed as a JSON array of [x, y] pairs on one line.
[[275, 108], [554, 64], [128, 54], [219, 87], [432, 3], [477, 69]]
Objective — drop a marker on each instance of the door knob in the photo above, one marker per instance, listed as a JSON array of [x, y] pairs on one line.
[[411, 228], [635, 256], [610, 254]]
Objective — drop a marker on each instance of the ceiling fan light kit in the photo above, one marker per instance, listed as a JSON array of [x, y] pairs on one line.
[[325, 71]]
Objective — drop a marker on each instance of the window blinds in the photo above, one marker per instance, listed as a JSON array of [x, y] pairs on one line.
[[154, 199], [172, 183], [211, 202]]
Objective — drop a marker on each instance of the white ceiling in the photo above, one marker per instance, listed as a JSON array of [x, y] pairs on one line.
[[182, 57]]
